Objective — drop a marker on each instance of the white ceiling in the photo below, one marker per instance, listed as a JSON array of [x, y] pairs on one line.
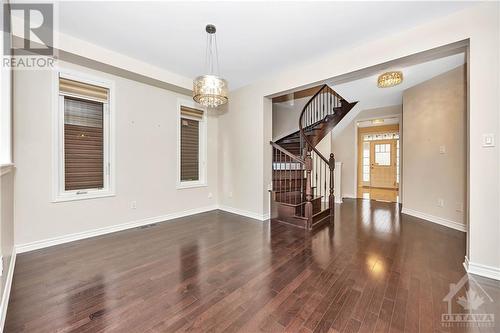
[[370, 96], [255, 38]]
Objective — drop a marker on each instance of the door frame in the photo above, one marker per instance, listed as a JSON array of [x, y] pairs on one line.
[[359, 149]]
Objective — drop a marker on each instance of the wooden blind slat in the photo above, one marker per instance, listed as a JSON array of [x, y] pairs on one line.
[[84, 90], [192, 113], [83, 144], [190, 149]]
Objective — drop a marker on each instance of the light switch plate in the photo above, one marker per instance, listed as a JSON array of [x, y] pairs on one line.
[[442, 149], [489, 140]]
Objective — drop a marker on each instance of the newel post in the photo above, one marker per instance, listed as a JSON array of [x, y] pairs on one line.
[[331, 198], [308, 210]]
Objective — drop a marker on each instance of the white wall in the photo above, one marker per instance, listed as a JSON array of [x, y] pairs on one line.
[[5, 117], [6, 219], [241, 145], [434, 116], [145, 163], [344, 146], [73, 45], [249, 117], [6, 185], [5, 105], [286, 117]]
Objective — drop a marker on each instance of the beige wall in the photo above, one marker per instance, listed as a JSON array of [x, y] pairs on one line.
[[286, 117], [241, 159], [145, 140], [249, 117], [344, 145], [6, 179], [6, 222], [434, 116]]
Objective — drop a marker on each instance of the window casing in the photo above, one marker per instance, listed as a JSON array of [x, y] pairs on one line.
[[366, 162], [83, 138], [5, 117], [191, 145]]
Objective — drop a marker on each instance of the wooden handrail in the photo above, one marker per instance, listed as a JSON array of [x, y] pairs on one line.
[[302, 132], [287, 153], [302, 176]]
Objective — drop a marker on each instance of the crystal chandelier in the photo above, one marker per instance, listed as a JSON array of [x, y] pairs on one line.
[[210, 90], [390, 79]]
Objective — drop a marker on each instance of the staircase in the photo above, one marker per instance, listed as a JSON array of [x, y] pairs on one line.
[[302, 189]]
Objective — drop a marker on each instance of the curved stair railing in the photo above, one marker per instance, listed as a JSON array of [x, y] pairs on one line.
[[319, 169], [302, 176]]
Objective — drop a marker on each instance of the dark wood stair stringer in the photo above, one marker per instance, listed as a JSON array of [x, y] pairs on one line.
[[302, 192]]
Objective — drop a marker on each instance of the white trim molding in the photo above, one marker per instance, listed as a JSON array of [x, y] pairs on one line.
[[482, 270], [252, 215], [6, 292], [435, 219], [6, 168], [337, 181], [21, 248], [59, 194], [36, 245]]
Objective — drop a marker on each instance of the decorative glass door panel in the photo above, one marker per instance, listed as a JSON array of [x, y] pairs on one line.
[[383, 163]]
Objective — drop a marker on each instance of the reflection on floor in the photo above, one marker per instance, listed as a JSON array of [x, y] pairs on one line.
[[373, 270], [380, 194]]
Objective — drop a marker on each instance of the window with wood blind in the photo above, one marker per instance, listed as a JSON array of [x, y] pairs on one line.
[[84, 139], [191, 143]]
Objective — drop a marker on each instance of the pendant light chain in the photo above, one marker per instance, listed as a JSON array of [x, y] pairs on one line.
[[207, 55], [212, 65], [211, 90], [217, 55], [210, 55]]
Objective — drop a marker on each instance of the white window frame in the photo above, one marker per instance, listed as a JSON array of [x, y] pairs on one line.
[[59, 192], [202, 146], [5, 116]]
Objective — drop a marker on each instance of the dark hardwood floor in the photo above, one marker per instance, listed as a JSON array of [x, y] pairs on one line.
[[373, 272]]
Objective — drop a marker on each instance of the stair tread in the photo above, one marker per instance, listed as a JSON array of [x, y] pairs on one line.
[[296, 203], [299, 224], [288, 192], [321, 212]]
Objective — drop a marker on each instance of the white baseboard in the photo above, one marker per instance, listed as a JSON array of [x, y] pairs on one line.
[[482, 270], [435, 219], [252, 215], [337, 200], [6, 292], [466, 264], [21, 248]]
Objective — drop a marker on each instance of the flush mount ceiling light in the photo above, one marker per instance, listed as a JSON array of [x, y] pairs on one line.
[[377, 121], [390, 79], [210, 90]]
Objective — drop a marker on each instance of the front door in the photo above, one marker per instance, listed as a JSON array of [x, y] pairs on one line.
[[383, 163]]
